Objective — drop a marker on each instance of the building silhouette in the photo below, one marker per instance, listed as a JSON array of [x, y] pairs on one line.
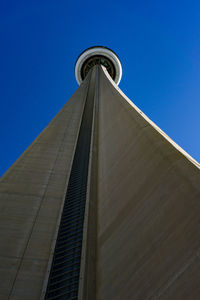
[[103, 204]]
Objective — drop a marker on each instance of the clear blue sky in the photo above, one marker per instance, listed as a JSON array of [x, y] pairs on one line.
[[158, 43]]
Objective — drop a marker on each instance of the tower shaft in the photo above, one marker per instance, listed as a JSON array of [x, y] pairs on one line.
[[66, 264], [103, 205]]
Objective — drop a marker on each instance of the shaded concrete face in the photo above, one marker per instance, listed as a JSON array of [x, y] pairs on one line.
[[31, 197], [142, 219], [148, 208]]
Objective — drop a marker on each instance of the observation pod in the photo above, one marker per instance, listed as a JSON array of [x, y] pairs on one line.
[[98, 55]]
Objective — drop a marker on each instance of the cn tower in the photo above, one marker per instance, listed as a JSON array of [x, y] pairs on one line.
[[103, 204]]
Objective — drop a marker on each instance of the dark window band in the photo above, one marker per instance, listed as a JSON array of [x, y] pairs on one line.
[[63, 280]]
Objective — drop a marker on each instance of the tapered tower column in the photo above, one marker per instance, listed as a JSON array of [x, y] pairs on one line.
[[73, 269], [103, 205]]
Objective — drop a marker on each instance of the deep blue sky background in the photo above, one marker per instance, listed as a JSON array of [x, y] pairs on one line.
[[158, 43]]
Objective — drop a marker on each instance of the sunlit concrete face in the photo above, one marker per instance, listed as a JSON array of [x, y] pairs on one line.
[[142, 214], [148, 207], [31, 199]]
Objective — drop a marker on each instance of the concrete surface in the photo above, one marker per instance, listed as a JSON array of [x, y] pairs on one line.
[[143, 206], [31, 196], [148, 207]]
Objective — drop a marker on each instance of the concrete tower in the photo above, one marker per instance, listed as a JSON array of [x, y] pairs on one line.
[[102, 205]]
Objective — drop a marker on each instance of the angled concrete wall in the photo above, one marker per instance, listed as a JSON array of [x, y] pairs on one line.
[[148, 207], [141, 233], [31, 196]]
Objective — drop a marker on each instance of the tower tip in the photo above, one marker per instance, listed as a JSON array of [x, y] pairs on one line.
[[95, 56]]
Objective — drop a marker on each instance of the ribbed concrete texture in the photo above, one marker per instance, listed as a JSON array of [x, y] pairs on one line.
[[141, 237], [148, 207], [31, 197]]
